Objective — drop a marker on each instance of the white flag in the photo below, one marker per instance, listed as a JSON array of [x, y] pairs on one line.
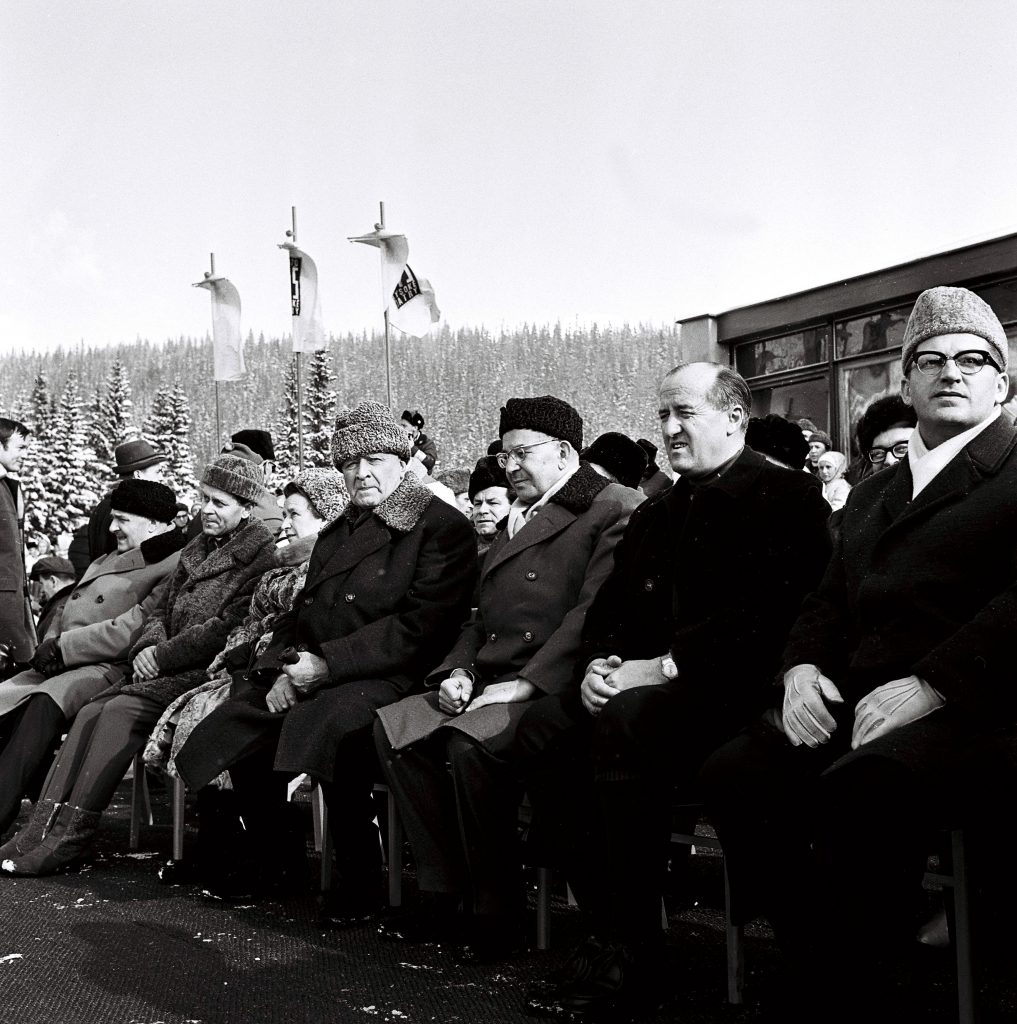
[[409, 299], [305, 305], [227, 341]]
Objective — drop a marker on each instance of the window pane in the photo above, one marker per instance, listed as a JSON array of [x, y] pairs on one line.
[[789, 352], [806, 399], [873, 332], [1003, 299], [860, 384]]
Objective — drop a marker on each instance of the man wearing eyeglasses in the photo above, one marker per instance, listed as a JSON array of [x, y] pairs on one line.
[[898, 705], [448, 754]]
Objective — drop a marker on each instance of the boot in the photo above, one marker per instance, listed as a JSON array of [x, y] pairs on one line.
[[68, 841], [29, 837]]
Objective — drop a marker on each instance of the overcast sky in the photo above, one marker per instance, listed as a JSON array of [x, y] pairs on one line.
[[600, 161]]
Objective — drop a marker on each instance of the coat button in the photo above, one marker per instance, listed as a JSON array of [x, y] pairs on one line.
[[309, 599], [648, 585], [531, 575], [528, 637], [99, 599], [349, 598], [75, 596], [493, 637]]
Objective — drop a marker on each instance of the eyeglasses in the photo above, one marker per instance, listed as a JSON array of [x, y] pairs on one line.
[[900, 449], [968, 362], [520, 452]]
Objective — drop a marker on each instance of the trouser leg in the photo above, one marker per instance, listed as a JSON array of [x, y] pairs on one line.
[[487, 797], [351, 810], [32, 733], [418, 778]]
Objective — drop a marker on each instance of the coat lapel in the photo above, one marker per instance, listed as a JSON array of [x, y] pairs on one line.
[[551, 519], [114, 563], [347, 553]]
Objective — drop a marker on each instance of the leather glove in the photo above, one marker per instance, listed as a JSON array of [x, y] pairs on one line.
[[47, 659], [805, 716], [888, 707]]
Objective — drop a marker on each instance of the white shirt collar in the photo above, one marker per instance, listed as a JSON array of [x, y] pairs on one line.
[[927, 463]]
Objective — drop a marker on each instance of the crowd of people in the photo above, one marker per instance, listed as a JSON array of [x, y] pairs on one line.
[[821, 663]]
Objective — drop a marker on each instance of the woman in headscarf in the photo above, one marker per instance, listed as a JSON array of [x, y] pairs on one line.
[[831, 468]]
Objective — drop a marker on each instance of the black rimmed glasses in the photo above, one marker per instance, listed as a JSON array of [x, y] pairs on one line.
[[969, 362], [900, 449], [520, 452]]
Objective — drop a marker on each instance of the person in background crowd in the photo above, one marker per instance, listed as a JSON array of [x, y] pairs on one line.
[[182, 517], [458, 482], [259, 442], [491, 498], [618, 458], [17, 628], [422, 447], [136, 460], [807, 427], [83, 646], [388, 585], [883, 431], [416, 468], [898, 715], [831, 472], [654, 480], [52, 580], [679, 650], [539, 578], [206, 595], [37, 546], [777, 439], [819, 444]]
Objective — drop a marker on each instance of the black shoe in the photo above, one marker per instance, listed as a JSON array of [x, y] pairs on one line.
[[490, 938], [436, 921], [622, 985], [542, 998], [339, 909]]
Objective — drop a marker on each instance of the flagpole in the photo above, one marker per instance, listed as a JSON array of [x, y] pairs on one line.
[[385, 298], [218, 413], [300, 389]]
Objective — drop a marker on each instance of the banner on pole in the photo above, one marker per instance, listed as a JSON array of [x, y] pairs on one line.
[[305, 304], [227, 341]]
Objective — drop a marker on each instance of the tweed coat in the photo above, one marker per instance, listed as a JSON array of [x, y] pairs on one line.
[[93, 641], [715, 574], [384, 597], [534, 593], [925, 586], [16, 626], [207, 595]]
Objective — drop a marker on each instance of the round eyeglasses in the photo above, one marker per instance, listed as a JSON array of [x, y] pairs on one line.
[[968, 362], [900, 449], [519, 453]]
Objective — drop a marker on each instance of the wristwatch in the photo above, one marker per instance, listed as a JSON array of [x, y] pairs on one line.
[[668, 667]]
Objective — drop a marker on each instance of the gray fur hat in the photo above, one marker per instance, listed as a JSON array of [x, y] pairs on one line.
[[236, 476], [368, 429], [325, 489], [952, 311]]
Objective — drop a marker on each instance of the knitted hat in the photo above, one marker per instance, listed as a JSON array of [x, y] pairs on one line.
[[52, 565], [622, 457], [413, 417], [821, 437], [952, 311], [236, 476], [487, 473], [546, 414], [259, 442], [368, 429], [144, 498], [325, 489], [132, 455], [241, 451]]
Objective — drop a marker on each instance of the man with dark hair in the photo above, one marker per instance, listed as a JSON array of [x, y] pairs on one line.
[[898, 712], [17, 630], [883, 432], [679, 650]]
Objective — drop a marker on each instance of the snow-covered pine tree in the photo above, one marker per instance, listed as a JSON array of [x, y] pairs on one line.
[[38, 464], [75, 481], [284, 434], [113, 418], [319, 409], [180, 464]]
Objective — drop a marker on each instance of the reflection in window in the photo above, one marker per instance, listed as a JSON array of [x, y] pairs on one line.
[[806, 399], [872, 333], [861, 384], [789, 352]]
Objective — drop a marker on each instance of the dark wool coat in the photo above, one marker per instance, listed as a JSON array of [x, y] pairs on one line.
[[535, 590], [926, 586], [16, 626], [715, 574], [208, 594], [429, 449], [656, 483], [381, 604]]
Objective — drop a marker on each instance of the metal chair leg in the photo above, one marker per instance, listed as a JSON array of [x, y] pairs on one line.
[[967, 1010]]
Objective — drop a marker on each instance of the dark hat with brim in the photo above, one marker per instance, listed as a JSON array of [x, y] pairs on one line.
[[144, 498], [258, 441], [52, 565], [622, 457], [544, 414], [134, 455], [414, 417]]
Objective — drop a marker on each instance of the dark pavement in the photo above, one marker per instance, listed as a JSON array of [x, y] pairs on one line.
[[110, 945]]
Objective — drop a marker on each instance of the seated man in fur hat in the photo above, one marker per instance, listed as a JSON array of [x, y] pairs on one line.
[[539, 577], [387, 587], [84, 648]]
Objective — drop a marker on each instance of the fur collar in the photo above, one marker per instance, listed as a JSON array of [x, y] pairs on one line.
[[295, 552], [241, 547], [402, 509], [162, 545], [582, 487]]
